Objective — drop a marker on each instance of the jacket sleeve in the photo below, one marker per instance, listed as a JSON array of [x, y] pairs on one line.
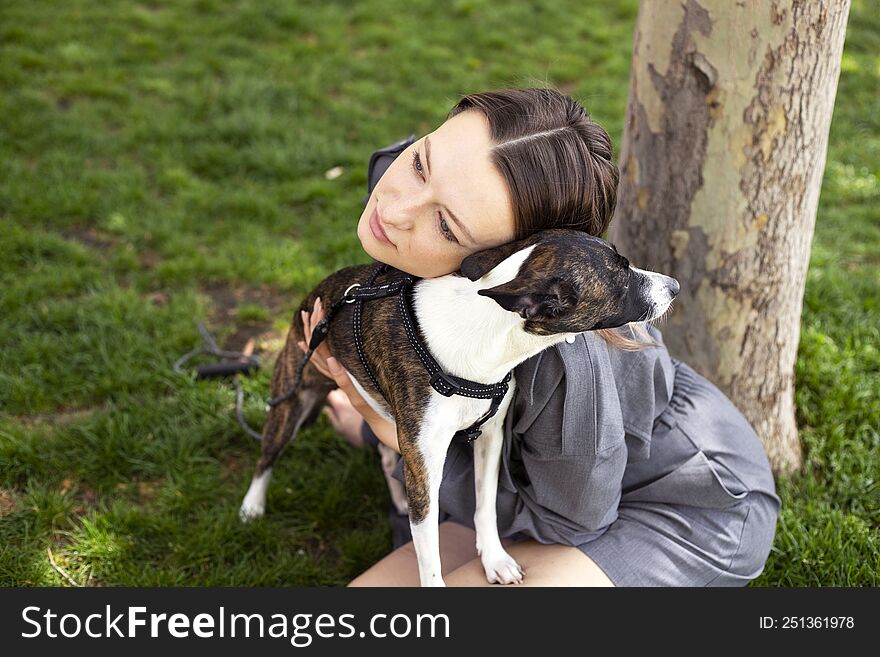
[[644, 382]]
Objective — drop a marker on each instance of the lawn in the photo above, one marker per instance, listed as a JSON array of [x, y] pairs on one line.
[[164, 162]]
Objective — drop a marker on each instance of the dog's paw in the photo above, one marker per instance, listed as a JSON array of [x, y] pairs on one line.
[[249, 512], [501, 568]]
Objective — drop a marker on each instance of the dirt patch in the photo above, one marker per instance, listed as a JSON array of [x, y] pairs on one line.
[[85, 496], [149, 259], [88, 500], [235, 467], [59, 416], [226, 300], [90, 237], [146, 490], [8, 503], [158, 298]]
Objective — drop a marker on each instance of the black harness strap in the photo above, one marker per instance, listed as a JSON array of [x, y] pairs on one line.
[[446, 384], [449, 384], [359, 294]]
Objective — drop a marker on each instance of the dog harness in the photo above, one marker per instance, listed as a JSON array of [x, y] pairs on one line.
[[446, 384]]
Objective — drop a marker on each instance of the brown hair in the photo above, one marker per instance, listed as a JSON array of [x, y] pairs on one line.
[[558, 167]]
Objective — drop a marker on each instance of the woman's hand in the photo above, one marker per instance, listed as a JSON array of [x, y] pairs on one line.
[[340, 414]]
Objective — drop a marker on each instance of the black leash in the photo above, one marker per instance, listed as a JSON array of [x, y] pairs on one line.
[[234, 363], [446, 384]]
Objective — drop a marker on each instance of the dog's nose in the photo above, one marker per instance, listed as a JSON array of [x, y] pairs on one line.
[[673, 286]]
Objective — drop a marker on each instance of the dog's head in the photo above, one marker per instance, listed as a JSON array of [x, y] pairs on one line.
[[566, 281]]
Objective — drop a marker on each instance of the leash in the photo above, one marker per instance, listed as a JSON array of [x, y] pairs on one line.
[[446, 384], [241, 363]]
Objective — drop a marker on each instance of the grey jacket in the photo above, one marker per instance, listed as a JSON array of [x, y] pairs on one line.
[[579, 438], [592, 427]]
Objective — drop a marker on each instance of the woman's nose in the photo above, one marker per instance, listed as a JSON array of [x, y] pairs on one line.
[[400, 212], [396, 218]]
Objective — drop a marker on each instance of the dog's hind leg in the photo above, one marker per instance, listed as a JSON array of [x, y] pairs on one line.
[[282, 424], [284, 420]]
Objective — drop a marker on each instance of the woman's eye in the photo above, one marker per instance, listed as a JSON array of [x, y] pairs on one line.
[[444, 228], [417, 164], [441, 224]]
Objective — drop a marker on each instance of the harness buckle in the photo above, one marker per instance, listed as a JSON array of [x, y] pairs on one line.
[[466, 436], [349, 289], [473, 434]]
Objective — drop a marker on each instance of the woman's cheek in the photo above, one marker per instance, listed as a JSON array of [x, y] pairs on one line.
[[365, 239]]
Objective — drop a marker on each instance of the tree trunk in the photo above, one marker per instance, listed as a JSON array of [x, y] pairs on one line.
[[721, 165]]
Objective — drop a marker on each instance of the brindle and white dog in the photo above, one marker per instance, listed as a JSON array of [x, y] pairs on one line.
[[507, 304]]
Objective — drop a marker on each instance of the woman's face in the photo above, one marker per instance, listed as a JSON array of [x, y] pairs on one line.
[[419, 201]]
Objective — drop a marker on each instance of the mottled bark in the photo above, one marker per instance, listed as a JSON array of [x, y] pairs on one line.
[[722, 158]]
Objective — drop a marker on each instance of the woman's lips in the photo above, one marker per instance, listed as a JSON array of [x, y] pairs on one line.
[[377, 229]]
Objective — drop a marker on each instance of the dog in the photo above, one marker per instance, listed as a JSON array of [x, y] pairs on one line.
[[508, 303]]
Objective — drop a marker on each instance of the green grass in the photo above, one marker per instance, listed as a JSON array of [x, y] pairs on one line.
[[164, 162]]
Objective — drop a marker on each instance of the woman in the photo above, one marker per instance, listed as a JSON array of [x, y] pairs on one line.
[[621, 465]]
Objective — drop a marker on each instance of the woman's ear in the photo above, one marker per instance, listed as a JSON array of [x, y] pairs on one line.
[[478, 264]]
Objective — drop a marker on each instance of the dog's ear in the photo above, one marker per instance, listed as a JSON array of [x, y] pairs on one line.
[[478, 264], [533, 299]]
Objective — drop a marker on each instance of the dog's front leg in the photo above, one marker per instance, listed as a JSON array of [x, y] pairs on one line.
[[423, 461], [500, 567]]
